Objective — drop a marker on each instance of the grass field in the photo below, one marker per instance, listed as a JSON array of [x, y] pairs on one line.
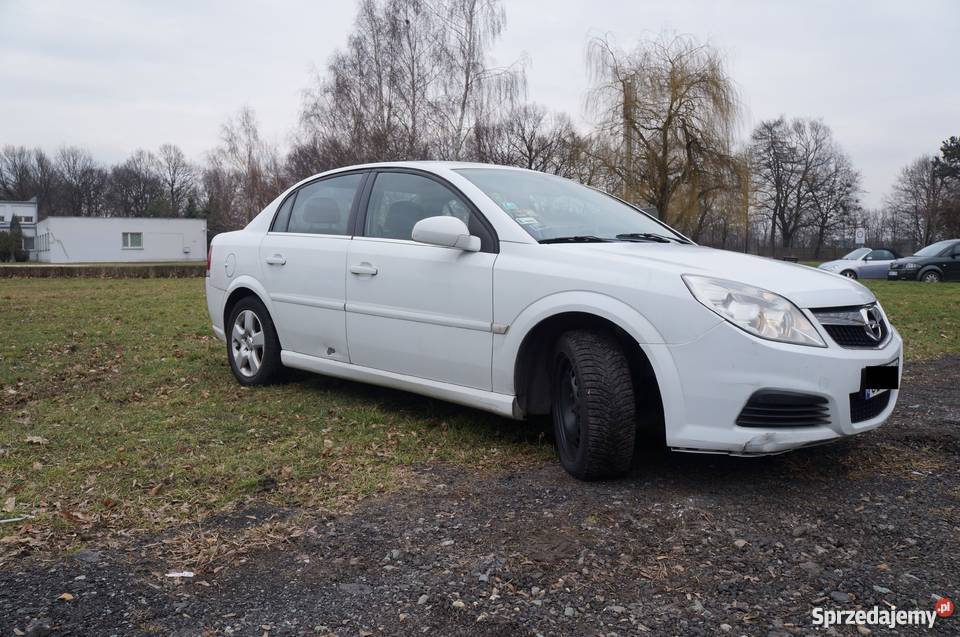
[[118, 412]]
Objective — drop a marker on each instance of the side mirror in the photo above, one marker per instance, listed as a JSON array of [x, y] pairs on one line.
[[448, 232]]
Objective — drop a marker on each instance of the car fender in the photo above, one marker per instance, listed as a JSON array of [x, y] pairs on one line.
[[506, 346], [927, 268], [252, 284]]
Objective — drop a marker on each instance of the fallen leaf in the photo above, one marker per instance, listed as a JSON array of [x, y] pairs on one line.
[[9, 504], [36, 440], [67, 597]]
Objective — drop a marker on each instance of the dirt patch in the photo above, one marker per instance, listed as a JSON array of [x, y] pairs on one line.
[[687, 545]]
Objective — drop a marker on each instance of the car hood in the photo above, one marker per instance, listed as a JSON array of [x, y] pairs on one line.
[[911, 259], [805, 286], [838, 263]]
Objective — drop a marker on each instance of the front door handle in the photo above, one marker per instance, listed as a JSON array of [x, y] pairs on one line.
[[276, 259], [364, 268]]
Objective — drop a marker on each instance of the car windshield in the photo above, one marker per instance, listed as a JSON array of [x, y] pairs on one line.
[[932, 250], [552, 209], [859, 253]]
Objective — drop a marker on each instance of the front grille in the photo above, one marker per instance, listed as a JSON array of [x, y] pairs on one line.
[[854, 327], [862, 409], [767, 408]]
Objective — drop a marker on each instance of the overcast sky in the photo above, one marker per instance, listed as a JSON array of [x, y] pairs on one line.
[[116, 76]]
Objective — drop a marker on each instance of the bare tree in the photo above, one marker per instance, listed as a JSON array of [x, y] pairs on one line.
[[16, 173], [82, 183], [834, 187], [135, 187], [787, 158], [918, 199], [667, 109], [178, 178], [253, 166]]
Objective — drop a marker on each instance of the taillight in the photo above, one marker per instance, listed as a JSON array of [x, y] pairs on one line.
[[209, 257]]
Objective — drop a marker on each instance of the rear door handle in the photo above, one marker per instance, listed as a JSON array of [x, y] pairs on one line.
[[364, 268], [276, 259]]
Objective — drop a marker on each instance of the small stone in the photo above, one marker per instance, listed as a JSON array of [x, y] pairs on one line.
[[740, 543], [458, 604], [883, 590], [725, 628], [811, 567], [446, 543], [40, 627], [88, 555], [568, 611], [483, 577], [801, 530], [839, 597], [863, 630], [617, 609], [422, 600], [394, 554]]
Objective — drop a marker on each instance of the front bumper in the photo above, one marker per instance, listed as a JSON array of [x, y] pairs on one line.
[[720, 371], [902, 275]]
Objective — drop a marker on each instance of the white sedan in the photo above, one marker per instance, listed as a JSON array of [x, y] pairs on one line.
[[522, 293]]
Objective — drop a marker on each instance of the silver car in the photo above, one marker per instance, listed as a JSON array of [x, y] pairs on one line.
[[863, 263]]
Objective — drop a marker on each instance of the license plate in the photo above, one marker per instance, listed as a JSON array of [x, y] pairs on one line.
[[891, 274], [878, 379]]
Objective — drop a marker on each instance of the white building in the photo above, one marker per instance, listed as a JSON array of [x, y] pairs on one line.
[[119, 239], [26, 211]]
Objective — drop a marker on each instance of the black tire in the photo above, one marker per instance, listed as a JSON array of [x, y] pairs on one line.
[[592, 405], [850, 274], [270, 369], [931, 276]]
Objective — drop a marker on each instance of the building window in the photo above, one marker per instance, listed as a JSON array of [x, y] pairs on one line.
[[2, 219], [28, 243], [133, 241], [26, 219]]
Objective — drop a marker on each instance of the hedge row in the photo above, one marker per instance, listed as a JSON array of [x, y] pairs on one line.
[[106, 271]]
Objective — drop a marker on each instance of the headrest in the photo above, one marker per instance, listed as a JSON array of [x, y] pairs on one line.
[[321, 210]]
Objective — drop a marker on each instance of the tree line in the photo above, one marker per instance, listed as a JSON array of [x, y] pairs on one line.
[[415, 80]]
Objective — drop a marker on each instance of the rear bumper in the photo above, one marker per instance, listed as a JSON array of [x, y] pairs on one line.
[[215, 296], [719, 372]]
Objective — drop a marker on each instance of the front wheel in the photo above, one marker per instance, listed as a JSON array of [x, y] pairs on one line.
[[930, 277], [253, 348], [850, 274], [593, 406]]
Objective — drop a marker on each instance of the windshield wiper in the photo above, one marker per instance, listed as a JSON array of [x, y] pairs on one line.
[[649, 236], [579, 238]]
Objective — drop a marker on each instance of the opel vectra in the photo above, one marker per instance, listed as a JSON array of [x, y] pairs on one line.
[[522, 293]]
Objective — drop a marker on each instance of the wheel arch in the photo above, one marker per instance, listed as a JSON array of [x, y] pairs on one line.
[[929, 268], [532, 337], [242, 287]]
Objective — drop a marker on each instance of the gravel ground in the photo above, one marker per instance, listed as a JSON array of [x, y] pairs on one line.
[[688, 545]]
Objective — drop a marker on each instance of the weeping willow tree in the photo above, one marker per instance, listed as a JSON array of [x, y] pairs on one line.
[[666, 113]]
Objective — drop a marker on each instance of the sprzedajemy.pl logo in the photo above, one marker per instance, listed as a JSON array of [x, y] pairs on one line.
[[889, 617]]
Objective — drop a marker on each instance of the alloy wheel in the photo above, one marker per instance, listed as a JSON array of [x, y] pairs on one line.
[[247, 342]]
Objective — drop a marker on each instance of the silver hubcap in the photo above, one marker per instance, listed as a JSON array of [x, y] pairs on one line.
[[930, 278], [247, 343], [849, 275]]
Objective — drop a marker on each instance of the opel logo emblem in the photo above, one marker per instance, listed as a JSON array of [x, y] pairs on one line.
[[871, 323]]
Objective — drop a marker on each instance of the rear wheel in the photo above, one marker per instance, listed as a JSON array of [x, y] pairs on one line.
[[850, 274], [930, 277], [593, 406], [253, 348]]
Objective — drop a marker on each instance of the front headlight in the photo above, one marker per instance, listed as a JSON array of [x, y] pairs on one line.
[[754, 310], [910, 266]]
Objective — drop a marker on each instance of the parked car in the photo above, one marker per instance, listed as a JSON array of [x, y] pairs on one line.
[[863, 263], [937, 262], [522, 293]]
